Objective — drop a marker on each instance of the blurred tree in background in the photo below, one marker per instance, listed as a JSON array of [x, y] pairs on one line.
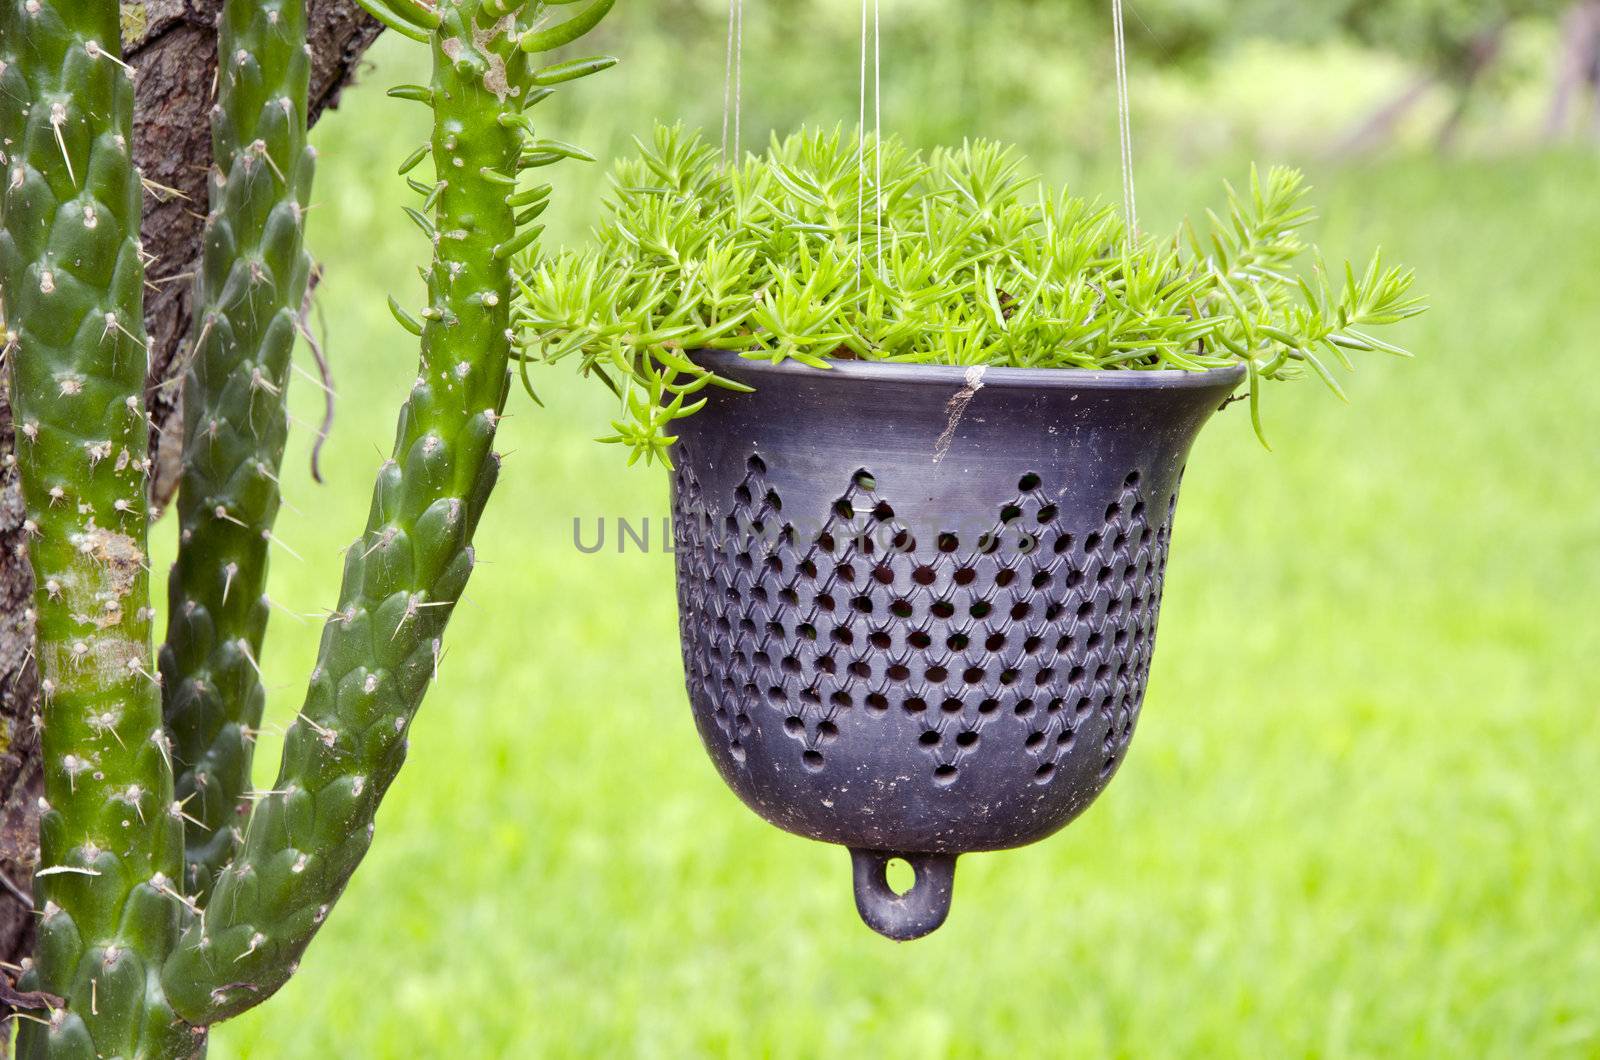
[[945, 56], [1457, 42], [1453, 44]]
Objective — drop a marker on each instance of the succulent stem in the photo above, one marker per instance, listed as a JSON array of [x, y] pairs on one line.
[[249, 291], [72, 272]]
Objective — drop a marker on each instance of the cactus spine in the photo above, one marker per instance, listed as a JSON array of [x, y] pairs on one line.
[[71, 271], [248, 294], [404, 576]]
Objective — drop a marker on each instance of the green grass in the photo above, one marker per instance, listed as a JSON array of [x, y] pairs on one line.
[[1359, 817]]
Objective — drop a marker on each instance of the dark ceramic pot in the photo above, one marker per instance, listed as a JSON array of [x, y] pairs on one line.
[[918, 604]]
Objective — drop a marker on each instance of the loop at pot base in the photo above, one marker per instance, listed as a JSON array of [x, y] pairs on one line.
[[917, 912]]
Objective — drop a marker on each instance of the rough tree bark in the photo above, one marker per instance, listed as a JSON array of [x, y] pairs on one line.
[[172, 46]]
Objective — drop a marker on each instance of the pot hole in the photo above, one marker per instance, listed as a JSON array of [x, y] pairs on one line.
[[900, 876]]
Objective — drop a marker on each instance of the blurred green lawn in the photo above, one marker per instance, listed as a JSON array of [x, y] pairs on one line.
[[1360, 817]]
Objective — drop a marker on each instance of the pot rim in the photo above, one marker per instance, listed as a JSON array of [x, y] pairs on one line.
[[946, 375]]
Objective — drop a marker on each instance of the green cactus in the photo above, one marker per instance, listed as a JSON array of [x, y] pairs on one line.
[[249, 291], [404, 576], [72, 272], [143, 968]]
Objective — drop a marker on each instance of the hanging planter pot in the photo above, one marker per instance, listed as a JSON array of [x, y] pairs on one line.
[[918, 599], [918, 604]]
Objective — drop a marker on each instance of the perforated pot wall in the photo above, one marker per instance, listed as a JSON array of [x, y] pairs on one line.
[[919, 604]]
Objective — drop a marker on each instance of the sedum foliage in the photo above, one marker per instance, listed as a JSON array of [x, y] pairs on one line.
[[972, 262]]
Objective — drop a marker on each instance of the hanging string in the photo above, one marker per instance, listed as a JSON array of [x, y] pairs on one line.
[[1130, 202], [861, 148], [877, 127], [877, 141], [738, 84], [733, 81]]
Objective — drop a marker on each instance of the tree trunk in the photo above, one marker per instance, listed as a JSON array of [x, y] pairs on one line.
[[1379, 127], [1484, 52], [172, 46], [1580, 64]]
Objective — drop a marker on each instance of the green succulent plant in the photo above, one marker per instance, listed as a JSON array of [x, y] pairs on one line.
[[404, 576], [168, 902], [249, 291], [835, 246], [72, 276]]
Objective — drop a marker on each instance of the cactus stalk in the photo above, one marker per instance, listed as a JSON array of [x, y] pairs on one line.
[[72, 274], [142, 969], [249, 291], [402, 579]]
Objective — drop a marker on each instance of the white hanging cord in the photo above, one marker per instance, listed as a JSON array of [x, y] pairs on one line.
[[861, 148], [877, 126], [877, 140], [733, 81], [1130, 202], [738, 84]]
